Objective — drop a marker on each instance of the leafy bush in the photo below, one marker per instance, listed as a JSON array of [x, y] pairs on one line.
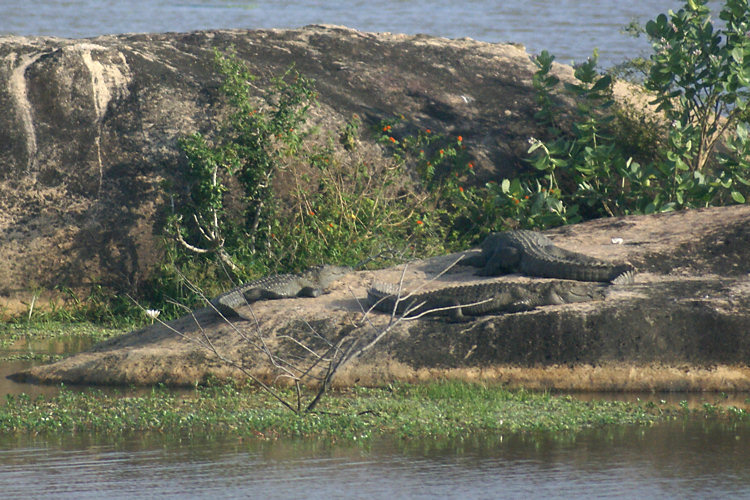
[[226, 226], [699, 77], [246, 153]]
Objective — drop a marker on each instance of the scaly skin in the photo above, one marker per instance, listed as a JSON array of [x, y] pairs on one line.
[[533, 254], [310, 283], [482, 298]]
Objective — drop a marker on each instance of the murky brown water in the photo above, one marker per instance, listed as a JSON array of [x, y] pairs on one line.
[[674, 460]]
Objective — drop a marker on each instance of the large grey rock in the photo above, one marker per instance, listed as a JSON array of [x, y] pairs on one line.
[[88, 128]]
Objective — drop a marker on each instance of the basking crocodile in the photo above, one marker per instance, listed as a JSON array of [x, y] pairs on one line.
[[533, 254], [310, 283], [483, 298]]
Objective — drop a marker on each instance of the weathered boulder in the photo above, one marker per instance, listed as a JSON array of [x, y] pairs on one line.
[[88, 128], [684, 325]]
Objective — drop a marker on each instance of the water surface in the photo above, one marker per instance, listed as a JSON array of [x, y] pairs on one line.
[[571, 29], [673, 460]]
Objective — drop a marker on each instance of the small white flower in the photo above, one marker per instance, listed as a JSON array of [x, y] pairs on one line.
[[617, 241], [153, 313]]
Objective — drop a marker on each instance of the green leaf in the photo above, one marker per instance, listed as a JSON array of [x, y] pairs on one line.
[[603, 83], [505, 186], [737, 197], [681, 165], [738, 54], [742, 131]]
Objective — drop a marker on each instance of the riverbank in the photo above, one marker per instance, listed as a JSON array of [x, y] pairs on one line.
[[436, 409], [682, 326]]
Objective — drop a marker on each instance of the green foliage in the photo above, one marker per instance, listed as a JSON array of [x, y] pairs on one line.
[[230, 209], [437, 409], [227, 226], [98, 305], [346, 209], [700, 79], [450, 207]]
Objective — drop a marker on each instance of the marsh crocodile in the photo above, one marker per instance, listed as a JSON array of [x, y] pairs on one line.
[[533, 254], [483, 298], [310, 283]]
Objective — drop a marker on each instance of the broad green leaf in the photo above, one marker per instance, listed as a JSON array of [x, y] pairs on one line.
[[738, 54], [737, 197]]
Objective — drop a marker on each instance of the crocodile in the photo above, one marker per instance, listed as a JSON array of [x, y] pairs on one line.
[[533, 254], [480, 299], [309, 283]]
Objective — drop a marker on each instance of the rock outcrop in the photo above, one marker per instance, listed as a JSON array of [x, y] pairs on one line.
[[683, 325], [89, 128]]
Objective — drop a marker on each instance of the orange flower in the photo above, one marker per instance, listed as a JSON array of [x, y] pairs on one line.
[[460, 139], [428, 131], [461, 189], [312, 213], [442, 152], [392, 140], [526, 197], [516, 201], [330, 224], [386, 128], [419, 222], [471, 165]]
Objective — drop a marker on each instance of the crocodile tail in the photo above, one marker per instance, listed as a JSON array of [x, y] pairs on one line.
[[382, 296], [588, 269], [625, 275]]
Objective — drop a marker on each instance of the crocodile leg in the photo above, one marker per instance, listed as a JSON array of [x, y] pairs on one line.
[[503, 260], [310, 291]]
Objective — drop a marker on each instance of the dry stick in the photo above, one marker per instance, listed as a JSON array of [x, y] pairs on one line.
[[267, 351], [332, 368], [395, 319], [221, 357], [263, 348], [199, 292]]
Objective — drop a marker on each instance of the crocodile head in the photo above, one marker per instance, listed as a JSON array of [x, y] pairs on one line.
[[326, 274], [581, 292]]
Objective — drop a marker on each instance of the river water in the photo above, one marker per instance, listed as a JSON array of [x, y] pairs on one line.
[[674, 460], [678, 459], [570, 29]]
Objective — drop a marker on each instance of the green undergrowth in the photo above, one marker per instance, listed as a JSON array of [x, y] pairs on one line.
[[433, 410]]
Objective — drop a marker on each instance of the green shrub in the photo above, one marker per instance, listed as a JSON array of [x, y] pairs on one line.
[[699, 77]]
